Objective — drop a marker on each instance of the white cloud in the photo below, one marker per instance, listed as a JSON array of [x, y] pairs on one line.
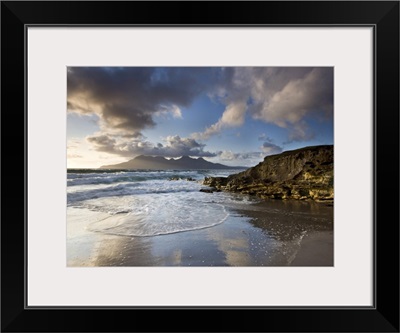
[[231, 158], [269, 148], [280, 96], [174, 146], [233, 116], [228, 155], [173, 110], [298, 98]]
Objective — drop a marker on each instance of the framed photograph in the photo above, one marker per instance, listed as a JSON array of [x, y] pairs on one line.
[[187, 159]]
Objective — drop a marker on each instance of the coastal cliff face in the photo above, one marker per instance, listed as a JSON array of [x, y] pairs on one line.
[[302, 174]]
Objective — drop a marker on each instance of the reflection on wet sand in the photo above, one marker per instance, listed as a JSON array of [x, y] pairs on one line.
[[233, 243], [263, 234], [122, 250]]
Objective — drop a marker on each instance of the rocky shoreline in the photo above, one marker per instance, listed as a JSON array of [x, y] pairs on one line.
[[302, 174]]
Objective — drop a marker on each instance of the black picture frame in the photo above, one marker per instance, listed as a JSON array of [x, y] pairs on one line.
[[383, 316]]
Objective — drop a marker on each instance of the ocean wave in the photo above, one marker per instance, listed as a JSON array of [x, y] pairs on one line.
[[78, 179], [96, 175], [123, 189], [159, 218], [149, 203]]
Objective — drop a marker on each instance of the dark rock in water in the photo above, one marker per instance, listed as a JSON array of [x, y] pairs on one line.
[[302, 174], [215, 181], [189, 179], [207, 190]]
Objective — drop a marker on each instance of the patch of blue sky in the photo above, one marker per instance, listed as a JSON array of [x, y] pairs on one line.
[[202, 113]]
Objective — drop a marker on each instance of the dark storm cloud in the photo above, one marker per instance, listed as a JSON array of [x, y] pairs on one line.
[[126, 98]]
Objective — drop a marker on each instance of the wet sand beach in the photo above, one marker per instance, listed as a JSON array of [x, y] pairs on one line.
[[268, 233]]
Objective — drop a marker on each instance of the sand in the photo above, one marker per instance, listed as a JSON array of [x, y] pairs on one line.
[[271, 233], [316, 250]]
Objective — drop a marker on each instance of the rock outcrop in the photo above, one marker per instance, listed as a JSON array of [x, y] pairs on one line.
[[302, 174]]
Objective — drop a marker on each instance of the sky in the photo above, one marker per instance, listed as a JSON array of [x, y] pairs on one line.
[[230, 115]]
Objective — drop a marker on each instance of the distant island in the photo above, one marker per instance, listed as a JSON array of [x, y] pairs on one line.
[[302, 174], [143, 162]]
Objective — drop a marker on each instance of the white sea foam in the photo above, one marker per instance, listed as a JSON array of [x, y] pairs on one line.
[[155, 216], [148, 203]]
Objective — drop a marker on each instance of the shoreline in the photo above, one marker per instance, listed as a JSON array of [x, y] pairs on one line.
[[267, 233]]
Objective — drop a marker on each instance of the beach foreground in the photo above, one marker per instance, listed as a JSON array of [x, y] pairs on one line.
[[268, 233]]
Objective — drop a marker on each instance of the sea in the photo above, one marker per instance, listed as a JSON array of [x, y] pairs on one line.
[[165, 220], [147, 202]]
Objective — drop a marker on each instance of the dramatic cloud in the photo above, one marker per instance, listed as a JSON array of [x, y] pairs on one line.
[[126, 99], [280, 96], [174, 146], [288, 106]]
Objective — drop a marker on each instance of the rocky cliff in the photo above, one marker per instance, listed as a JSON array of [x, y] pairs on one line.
[[305, 173]]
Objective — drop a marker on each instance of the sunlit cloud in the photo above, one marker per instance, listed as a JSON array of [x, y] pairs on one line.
[[172, 146], [126, 102], [280, 96]]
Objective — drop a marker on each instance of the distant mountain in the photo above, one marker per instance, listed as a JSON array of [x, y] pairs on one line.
[[161, 163]]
